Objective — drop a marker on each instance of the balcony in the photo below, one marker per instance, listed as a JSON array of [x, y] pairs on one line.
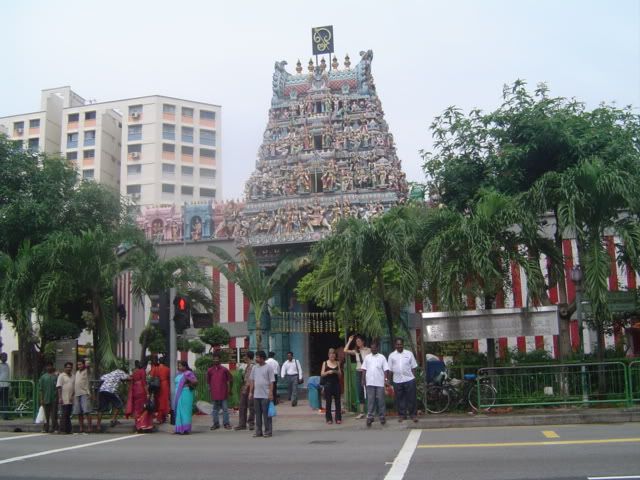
[[204, 122], [72, 125], [186, 158], [135, 117], [18, 132], [169, 116], [34, 131], [208, 161], [187, 119], [72, 143], [89, 142], [168, 155], [88, 161], [90, 122]]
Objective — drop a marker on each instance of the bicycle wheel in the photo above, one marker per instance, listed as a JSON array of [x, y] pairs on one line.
[[437, 399], [487, 396]]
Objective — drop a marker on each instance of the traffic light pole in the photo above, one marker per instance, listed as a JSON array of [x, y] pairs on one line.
[[172, 342]]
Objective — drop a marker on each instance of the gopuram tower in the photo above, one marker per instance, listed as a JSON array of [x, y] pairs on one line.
[[327, 154]]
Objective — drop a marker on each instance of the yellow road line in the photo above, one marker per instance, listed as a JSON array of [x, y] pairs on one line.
[[534, 444], [550, 434]]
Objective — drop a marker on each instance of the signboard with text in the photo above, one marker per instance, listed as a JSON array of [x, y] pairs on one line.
[[322, 39]]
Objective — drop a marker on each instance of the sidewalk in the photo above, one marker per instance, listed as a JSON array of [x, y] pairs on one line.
[[302, 418]]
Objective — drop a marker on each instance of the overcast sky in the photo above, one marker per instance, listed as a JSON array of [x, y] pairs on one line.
[[427, 55]]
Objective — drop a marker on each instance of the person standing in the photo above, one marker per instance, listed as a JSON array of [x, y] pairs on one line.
[[275, 366], [261, 392], [82, 395], [108, 397], [220, 381], [292, 373], [331, 373], [5, 377], [374, 376], [402, 366], [49, 398], [359, 351], [163, 373], [185, 382], [137, 402], [244, 396], [64, 385]]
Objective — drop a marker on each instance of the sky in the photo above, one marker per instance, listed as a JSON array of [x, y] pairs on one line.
[[428, 55]]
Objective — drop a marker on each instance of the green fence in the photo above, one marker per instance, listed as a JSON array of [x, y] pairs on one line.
[[634, 381], [19, 399], [561, 384]]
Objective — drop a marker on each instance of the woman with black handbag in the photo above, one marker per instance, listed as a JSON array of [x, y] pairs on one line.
[[330, 380]]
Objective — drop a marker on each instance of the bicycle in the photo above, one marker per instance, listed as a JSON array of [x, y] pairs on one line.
[[23, 407], [448, 393]]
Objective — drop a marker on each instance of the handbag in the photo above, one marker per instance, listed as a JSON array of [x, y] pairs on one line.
[[154, 384], [272, 410], [323, 380]]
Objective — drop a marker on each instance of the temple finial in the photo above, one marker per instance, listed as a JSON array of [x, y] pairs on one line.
[[310, 66], [347, 62], [298, 67], [334, 63]]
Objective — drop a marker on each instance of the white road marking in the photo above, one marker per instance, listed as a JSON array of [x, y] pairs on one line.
[[401, 462], [632, 477], [59, 450], [18, 437]]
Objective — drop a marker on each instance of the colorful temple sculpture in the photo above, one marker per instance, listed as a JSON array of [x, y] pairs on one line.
[[327, 154]]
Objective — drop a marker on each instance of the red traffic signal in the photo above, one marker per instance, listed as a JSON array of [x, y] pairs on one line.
[[181, 304]]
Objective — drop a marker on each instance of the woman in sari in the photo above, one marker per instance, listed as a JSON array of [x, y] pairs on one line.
[[138, 401], [161, 396], [185, 381]]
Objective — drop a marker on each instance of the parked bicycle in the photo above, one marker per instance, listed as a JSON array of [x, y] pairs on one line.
[[445, 393]]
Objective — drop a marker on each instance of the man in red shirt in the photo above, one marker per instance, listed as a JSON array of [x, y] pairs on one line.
[[219, 380]]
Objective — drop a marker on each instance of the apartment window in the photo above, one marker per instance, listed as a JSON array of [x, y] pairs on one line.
[[187, 113], [135, 148], [134, 169], [186, 190], [135, 112], [207, 192], [168, 147], [89, 138], [90, 116], [88, 174], [168, 169], [207, 154], [168, 132], [187, 171], [207, 115], [187, 134], [88, 154], [207, 173], [134, 189], [72, 155], [35, 123], [168, 188], [169, 109], [135, 133], [208, 137], [18, 128], [74, 117], [72, 140], [33, 144]]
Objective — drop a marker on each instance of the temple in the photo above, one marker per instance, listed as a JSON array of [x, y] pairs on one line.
[[327, 154]]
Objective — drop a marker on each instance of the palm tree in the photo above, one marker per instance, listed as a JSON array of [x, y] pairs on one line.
[[366, 271], [470, 254], [256, 284], [594, 199]]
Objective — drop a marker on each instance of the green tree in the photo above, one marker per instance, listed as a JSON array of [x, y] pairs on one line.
[[256, 283], [367, 271], [214, 336]]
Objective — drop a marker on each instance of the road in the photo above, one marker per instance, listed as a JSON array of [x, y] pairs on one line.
[[504, 453]]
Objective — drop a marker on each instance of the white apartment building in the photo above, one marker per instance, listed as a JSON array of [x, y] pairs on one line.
[[154, 149]]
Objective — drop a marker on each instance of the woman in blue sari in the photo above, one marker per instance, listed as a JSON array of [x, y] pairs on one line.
[[183, 401]]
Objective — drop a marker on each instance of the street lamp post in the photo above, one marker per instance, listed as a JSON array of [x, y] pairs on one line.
[[576, 277]]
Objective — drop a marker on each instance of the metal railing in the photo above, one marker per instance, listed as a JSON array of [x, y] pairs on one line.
[[561, 384], [634, 381], [19, 399]]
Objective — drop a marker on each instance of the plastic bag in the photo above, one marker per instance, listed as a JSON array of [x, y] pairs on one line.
[[272, 410], [40, 418]]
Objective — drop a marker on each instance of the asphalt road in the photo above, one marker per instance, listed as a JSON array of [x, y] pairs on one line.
[[505, 453]]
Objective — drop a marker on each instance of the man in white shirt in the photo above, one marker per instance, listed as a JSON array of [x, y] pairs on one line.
[[292, 373], [275, 366], [65, 387], [374, 376], [5, 376], [402, 365]]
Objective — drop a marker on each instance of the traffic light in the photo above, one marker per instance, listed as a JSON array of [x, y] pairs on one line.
[[155, 309], [182, 314]]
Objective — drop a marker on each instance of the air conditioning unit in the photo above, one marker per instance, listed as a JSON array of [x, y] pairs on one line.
[[19, 131], [135, 154], [135, 115], [135, 196]]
